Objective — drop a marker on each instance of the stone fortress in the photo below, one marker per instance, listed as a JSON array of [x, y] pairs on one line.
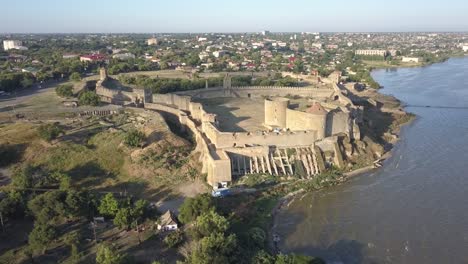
[[281, 131]]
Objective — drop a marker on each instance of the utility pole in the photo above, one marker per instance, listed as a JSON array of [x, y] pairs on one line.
[[1, 220], [138, 231], [94, 231]]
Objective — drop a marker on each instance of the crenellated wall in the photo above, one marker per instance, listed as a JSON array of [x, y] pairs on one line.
[[259, 92]]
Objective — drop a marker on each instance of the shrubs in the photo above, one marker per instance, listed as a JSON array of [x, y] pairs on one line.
[[64, 90], [194, 207], [88, 98], [108, 254], [76, 77], [49, 132], [134, 138], [174, 239]]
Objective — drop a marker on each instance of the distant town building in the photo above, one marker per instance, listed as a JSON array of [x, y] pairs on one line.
[[465, 48], [410, 59], [393, 53], [265, 32], [382, 53], [203, 55], [219, 53], [123, 56], [152, 42], [69, 56], [92, 58], [317, 45], [13, 44]]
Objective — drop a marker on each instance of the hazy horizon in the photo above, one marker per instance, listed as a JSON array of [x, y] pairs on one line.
[[242, 16]]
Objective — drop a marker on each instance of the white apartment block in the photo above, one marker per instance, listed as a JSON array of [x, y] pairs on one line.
[[371, 52], [12, 44]]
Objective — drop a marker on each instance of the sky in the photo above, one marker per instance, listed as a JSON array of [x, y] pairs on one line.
[[184, 16]]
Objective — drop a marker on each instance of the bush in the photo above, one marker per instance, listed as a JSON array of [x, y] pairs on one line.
[[64, 90], [49, 132], [76, 77], [107, 254], [10, 154], [194, 207], [134, 138], [88, 98], [41, 236], [174, 239]]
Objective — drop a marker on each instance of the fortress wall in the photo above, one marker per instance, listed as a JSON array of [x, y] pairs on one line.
[[163, 108], [196, 111], [298, 121], [259, 91], [216, 164], [343, 98], [163, 99], [230, 140], [181, 102], [338, 122]]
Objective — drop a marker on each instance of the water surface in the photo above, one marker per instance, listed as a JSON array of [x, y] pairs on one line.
[[414, 209]]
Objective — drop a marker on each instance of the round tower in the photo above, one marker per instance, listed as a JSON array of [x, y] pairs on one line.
[[275, 112], [318, 116]]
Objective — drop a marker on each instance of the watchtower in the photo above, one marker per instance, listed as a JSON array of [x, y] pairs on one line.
[[227, 81]]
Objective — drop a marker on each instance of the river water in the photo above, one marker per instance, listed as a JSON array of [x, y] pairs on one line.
[[415, 208]]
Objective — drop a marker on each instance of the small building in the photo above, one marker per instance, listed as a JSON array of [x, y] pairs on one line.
[[69, 56], [410, 59], [167, 222], [465, 48], [93, 58], [123, 56], [152, 42]]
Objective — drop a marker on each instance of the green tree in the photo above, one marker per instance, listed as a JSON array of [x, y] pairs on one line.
[[257, 236], [298, 66], [297, 259], [209, 222], [75, 77], [72, 239], [107, 254], [88, 98], [262, 257], [194, 207], [215, 248], [41, 236], [64, 90], [49, 132], [109, 206], [123, 218], [23, 177], [134, 138], [174, 239]]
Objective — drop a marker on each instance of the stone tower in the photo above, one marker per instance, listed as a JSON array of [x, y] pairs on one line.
[[227, 81], [103, 74]]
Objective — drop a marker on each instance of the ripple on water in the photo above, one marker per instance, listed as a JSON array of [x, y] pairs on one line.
[[413, 210]]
